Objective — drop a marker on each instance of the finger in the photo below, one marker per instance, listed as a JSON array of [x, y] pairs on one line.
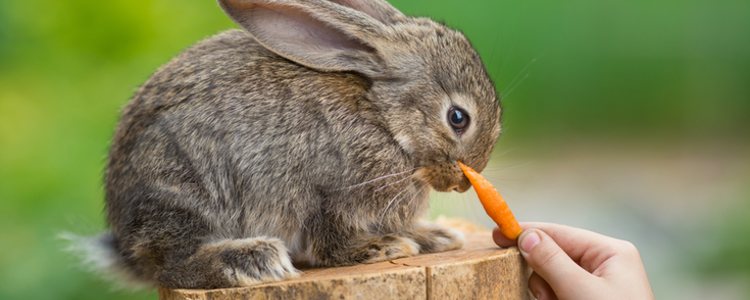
[[576, 242], [550, 261], [501, 240], [540, 288], [587, 248]]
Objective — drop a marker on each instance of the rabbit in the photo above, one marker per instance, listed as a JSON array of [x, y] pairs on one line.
[[312, 135]]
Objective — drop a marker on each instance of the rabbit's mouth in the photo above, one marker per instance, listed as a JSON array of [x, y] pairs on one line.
[[444, 177], [463, 186]]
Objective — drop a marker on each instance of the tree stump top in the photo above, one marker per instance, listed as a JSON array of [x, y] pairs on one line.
[[481, 270]]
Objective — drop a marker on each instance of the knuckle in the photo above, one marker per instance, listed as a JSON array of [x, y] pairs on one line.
[[627, 248]]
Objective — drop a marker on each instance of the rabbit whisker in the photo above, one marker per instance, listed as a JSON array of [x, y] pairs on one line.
[[376, 179], [390, 203], [522, 75], [394, 183]]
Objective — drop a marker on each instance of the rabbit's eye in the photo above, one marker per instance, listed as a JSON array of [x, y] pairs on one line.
[[458, 119]]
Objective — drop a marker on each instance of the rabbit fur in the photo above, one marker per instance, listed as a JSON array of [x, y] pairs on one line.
[[313, 135]]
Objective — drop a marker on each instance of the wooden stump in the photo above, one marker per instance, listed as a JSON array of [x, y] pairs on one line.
[[481, 270]]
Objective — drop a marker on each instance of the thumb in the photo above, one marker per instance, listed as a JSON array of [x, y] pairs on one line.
[[549, 261]]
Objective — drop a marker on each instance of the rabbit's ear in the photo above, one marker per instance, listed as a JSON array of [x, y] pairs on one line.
[[378, 9], [315, 33]]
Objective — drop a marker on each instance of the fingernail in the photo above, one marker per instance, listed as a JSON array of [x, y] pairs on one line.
[[529, 241]]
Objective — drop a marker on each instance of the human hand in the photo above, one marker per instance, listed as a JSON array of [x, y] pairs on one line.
[[572, 263]]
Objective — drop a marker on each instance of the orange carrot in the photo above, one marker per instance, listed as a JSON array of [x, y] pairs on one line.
[[493, 203]]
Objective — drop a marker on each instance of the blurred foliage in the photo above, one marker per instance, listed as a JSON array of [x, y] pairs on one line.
[[568, 68], [730, 254]]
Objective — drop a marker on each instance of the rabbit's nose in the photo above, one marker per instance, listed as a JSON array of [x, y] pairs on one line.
[[463, 186]]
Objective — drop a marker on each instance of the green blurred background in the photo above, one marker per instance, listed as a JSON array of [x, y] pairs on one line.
[[626, 117]]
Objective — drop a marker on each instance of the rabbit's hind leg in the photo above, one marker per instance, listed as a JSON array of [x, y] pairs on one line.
[[237, 262], [175, 248], [230, 263]]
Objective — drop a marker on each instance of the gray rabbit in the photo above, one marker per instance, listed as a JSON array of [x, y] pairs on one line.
[[313, 135]]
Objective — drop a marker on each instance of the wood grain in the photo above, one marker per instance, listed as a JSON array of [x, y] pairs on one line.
[[480, 270]]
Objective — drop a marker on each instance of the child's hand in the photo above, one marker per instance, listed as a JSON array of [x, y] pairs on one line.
[[572, 263]]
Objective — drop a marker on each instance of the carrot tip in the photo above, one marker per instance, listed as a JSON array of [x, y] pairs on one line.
[[493, 203]]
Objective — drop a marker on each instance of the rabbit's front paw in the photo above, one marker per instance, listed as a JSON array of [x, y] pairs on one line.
[[389, 247], [434, 238]]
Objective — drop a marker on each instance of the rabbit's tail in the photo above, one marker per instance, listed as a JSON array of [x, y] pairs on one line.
[[99, 254]]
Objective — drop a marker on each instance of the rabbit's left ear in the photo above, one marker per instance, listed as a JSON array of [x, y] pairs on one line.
[[319, 34]]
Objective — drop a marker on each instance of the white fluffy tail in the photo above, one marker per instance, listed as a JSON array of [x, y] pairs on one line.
[[99, 255]]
